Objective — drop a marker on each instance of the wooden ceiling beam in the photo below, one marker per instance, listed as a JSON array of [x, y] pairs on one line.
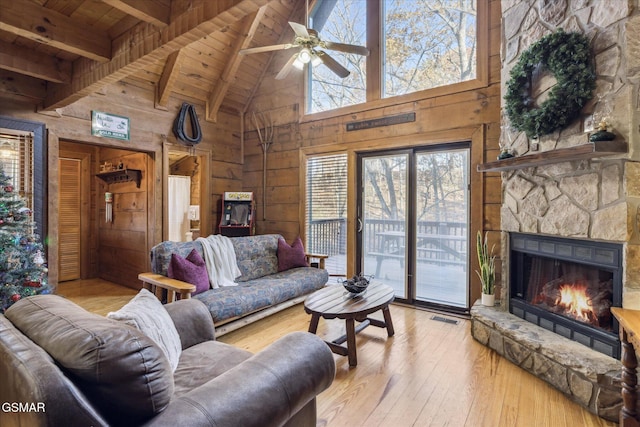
[[168, 78], [34, 64], [145, 10], [146, 44], [30, 20], [21, 88], [250, 25]]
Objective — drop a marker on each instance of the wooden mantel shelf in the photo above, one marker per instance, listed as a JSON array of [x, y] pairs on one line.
[[579, 152]]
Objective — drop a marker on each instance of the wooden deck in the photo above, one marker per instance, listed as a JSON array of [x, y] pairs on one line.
[[430, 373]]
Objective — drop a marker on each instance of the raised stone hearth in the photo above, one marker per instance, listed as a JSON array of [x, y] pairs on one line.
[[585, 376]]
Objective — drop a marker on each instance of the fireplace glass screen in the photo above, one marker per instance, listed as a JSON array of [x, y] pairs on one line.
[[579, 292], [567, 286]]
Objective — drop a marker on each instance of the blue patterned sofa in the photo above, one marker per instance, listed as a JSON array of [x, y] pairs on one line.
[[261, 290]]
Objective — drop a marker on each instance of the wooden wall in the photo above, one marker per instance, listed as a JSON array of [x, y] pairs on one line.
[[150, 134], [468, 115]]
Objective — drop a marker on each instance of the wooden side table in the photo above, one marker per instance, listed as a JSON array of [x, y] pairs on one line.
[[334, 302], [629, 330]]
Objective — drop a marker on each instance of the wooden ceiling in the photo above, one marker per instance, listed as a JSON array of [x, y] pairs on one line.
[[184, 48]]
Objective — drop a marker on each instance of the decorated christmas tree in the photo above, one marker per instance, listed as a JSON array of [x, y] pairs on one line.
[[23, 269]]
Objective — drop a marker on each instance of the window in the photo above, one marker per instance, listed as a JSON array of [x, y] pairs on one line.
[[16, 158], [326, 210], [428, 44], [341, 21], [424, 44]]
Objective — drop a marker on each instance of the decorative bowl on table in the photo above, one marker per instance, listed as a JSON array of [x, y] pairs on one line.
[[357, 284]]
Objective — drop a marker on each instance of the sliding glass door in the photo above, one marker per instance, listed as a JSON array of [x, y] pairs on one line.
[[441, 227], [413, 213], [383, 221]]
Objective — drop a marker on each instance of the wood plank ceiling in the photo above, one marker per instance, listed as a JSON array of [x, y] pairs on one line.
[[185, 48]]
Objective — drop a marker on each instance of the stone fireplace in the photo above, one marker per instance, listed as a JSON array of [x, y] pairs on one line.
[[593, 202]]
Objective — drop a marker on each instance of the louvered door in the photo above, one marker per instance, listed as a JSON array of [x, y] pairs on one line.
[[69, 217]]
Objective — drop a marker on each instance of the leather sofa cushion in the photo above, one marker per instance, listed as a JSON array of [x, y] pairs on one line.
[[123, 372], [203, 362]]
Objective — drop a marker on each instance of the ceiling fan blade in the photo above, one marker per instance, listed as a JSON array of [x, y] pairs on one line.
[[347, 48], [287, 67], [332, 64], [265, 48], [300, 30]]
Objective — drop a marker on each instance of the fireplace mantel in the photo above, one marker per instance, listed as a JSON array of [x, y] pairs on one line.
[[580, 152]]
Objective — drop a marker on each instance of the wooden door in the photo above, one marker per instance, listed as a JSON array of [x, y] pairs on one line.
[[70, 219]]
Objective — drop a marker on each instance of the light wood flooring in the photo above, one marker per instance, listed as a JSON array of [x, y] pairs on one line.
[[431, 373]]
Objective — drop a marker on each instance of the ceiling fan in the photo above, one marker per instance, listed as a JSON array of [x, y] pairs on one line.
[[310, 48]]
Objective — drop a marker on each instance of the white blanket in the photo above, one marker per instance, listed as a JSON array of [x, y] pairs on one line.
[[220, 258]]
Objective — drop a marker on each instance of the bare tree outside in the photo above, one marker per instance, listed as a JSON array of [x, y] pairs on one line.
[[426, 43], [386, 178], [441, 179], [344, 22]]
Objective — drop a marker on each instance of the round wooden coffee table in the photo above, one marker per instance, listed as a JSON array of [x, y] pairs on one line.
[[334, 302]]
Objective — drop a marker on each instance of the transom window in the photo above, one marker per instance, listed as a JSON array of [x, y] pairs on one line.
[[425, 44]]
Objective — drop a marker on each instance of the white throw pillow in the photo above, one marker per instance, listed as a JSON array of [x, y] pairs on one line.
[[146, 313]]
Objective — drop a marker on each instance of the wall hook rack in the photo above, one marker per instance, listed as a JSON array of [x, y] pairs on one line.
[[121, 175]]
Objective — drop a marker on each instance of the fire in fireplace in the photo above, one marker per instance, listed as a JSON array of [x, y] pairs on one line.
[[568, 286], [576, 291]]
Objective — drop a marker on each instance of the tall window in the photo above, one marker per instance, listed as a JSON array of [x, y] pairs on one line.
[[326, 210], [16, 157], [341, 21], [428, 43], [424, 44]]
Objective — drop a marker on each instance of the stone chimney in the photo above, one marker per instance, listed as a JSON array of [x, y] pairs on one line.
[[595, 199]]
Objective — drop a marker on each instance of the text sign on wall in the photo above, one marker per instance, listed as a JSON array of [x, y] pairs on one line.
[[383, 121], [109, 125]]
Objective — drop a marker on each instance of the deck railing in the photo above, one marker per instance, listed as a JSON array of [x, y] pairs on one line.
[[329, 236]]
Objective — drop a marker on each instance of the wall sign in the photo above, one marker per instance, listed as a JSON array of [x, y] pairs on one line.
[[109, 125], [383, 121]]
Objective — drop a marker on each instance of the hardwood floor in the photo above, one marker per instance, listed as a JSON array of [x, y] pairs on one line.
[[431, 373], [96, 295]]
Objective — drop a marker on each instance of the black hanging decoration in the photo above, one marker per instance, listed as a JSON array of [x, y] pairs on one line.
[[178, 125]]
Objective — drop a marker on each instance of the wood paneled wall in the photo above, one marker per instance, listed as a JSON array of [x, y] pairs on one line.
[[467, 115], [470, 114], [151, 131]]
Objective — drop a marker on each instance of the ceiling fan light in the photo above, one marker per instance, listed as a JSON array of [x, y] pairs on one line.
[[298, 64], [316, 60], [305, 56]]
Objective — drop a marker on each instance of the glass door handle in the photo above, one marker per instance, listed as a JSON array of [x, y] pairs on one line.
[[359, 225]]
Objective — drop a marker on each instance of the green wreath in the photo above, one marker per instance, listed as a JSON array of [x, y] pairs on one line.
[[568, 57]]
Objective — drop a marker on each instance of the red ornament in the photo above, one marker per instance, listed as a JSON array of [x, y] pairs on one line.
[[32, 283], [15, 297], [8, 188]]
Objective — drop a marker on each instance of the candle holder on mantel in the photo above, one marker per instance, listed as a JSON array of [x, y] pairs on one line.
[[504, 154], [602, 134]]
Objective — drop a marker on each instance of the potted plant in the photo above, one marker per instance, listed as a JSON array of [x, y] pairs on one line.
[[487, 273]]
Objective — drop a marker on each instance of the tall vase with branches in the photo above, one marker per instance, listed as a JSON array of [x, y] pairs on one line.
[[487, 273]]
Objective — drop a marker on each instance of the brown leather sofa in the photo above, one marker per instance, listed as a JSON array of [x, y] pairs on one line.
[[63, 366]]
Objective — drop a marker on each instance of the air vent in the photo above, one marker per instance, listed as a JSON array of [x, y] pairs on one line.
[[445, 320]]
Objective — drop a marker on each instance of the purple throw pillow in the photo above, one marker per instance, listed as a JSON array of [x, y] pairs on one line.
[[291, 256], [191, 269]]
